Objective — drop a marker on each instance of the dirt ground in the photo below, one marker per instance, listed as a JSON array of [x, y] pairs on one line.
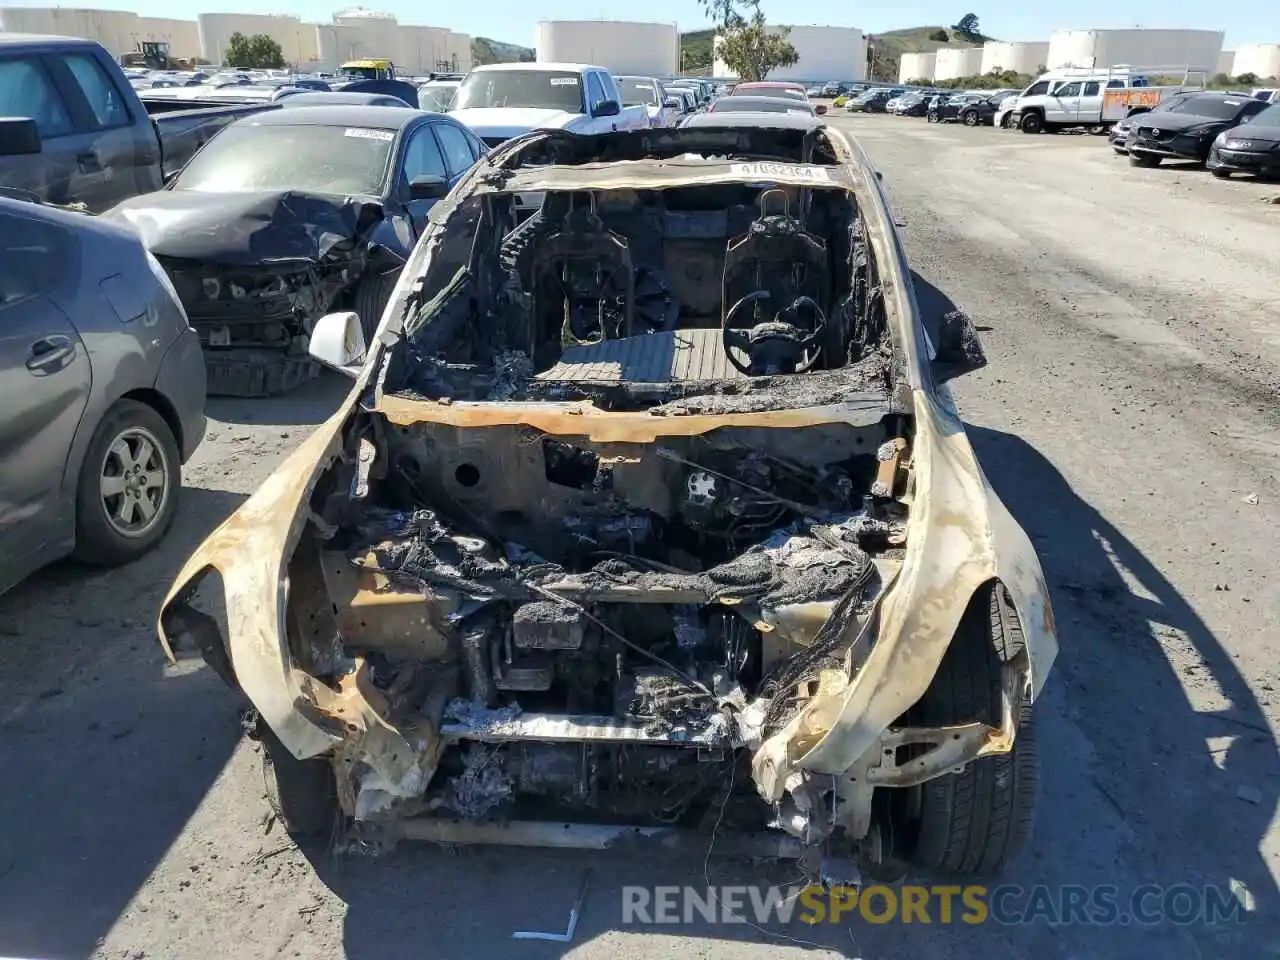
[[1129, 418]]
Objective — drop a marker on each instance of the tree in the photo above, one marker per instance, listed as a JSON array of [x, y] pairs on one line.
[[968, 27], [748, 46], [941, 36], [253, 53], [1247, 79]]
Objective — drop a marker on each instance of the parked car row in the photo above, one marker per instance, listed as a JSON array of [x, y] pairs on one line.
[[1228, 133]]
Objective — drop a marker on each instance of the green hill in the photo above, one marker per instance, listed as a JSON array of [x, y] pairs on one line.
[[888, 47], [695, 51]]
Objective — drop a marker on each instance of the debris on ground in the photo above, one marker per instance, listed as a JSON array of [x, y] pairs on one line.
[[575, 913]]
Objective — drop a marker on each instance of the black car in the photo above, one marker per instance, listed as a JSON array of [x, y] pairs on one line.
[[970, 109], [287, 215], [913, 105], [1118, 135], [1253, 147], [1187, 129], [872, 101], [980, 112]]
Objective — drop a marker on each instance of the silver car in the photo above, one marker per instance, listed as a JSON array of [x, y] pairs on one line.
[[104, 388]]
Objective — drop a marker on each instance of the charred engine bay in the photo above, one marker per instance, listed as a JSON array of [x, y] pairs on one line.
[[699, 299], [604, 627]]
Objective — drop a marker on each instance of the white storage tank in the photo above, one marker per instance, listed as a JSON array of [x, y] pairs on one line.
[[422, 48], [297, 41], [183, 36], [457, 50], [622, 47], [1021, 57], [117, 30], [956, 62], [917, 66], [824, 53], [1196, 49], [372, 35], [1260, 59]]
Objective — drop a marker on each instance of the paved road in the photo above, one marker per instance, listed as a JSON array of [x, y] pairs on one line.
[[1129, 418]]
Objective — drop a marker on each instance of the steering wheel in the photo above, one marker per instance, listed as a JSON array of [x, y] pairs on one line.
[[780, 345]]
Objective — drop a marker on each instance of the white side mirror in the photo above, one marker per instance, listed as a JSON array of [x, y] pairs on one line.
[[337, 341]]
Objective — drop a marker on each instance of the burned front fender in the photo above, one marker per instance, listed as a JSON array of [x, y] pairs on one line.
[[250, 551], [960, 538]]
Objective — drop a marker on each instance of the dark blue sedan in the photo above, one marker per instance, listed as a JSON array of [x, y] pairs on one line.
[[288, 214]]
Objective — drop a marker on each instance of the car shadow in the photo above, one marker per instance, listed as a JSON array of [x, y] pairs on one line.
[[312, 402], [1196, 789], [106, 750], [1165, 773]]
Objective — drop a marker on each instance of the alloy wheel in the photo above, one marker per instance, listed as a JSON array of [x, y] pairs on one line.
[[134, 482]]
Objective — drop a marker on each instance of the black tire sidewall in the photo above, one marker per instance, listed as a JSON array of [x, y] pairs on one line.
[[1031, 123], [96, 540], [371, 301], [972, 823], [301, 793]]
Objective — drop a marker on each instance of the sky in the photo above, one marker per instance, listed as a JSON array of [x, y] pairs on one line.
[[1245, 21]]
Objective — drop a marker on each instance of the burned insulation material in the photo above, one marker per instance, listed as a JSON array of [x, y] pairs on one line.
[[482, 786]]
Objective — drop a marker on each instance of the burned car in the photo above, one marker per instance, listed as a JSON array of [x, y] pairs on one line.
[[648, 511], [288, 214]]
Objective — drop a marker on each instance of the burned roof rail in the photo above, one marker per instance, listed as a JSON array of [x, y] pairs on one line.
[[665, 174]]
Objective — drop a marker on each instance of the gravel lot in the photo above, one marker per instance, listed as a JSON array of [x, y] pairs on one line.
[[1129, 419]]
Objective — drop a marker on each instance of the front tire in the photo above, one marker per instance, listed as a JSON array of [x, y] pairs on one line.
[[302, 793], [1144, 159], [127, 491], [969, 118], [1221, 174], [1031, 123], [371, 301], [974, 822]]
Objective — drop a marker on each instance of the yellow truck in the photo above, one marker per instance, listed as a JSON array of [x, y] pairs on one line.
[[368, 70]]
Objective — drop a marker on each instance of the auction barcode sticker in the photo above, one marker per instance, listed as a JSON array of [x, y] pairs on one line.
[[780, 171], [367, 134], [564, 81]]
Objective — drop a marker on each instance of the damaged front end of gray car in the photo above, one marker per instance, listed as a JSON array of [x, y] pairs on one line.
[[648, 512]]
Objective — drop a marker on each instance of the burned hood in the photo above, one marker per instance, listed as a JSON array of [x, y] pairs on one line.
[[242, 228]]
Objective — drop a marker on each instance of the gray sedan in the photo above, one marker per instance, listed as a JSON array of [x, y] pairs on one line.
[[104, 387]]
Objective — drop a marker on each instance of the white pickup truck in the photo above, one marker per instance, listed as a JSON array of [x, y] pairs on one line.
[[503, 100], [1084, 97]]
